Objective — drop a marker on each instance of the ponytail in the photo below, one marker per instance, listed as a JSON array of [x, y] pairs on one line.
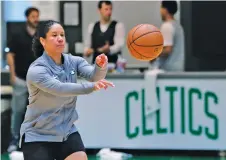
[[37, 47]]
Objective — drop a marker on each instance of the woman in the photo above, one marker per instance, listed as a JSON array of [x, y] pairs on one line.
[[48, 131]]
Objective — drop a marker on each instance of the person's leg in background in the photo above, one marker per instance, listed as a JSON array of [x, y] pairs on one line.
[[18, 103]]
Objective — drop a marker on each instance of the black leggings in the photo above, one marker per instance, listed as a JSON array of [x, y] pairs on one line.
[[52, 150]]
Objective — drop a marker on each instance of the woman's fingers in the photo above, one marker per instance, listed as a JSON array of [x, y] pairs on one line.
[[103, 84], [108, 83]]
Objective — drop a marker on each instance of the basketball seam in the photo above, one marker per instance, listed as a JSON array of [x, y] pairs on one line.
[[148, 46], [129, 45], [138, 52], [136, 30], [133, 40]]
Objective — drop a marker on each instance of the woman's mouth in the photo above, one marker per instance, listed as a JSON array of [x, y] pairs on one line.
[[60, 45]]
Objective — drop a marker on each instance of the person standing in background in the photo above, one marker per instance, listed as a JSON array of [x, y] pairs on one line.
[[105, 36], [19, 57], [173, 55]]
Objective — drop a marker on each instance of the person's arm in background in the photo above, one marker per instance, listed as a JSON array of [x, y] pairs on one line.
[[10, 58], [167, 31], [119, 40], [88, 41]]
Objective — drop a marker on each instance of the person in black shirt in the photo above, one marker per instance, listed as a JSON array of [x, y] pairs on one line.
[[105, 36], [19, 57]]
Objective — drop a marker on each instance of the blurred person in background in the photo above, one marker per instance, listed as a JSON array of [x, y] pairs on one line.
[[172, 57], [19, 57], [105, 36]]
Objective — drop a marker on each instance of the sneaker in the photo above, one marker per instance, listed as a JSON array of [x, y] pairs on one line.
[[13, 146]]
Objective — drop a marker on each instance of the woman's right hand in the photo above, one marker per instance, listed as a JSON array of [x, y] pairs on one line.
[[102, 84]]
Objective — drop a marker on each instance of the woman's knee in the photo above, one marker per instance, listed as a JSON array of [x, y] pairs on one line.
[[77, 156]]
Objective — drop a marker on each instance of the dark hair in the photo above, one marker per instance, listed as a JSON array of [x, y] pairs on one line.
[[101, 2], [171, 6], [42, 30], [29, 10]]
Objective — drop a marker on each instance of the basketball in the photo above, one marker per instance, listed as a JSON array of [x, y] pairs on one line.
[[145, 42]]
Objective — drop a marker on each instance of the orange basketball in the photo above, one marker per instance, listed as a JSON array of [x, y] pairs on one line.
[[145, 42]]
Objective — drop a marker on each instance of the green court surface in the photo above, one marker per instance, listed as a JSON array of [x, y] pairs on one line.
[[6, 157]]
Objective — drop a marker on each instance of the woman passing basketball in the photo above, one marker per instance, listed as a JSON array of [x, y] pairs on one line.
[[48, 131]]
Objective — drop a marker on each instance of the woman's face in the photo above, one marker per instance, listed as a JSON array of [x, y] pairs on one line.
[[55, 39]]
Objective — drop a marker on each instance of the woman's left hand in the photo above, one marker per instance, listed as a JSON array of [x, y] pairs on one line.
[[102, 60]]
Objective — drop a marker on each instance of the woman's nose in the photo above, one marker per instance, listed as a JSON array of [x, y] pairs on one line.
[[60, 39]]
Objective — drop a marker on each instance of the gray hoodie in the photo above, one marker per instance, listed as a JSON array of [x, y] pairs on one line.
[[53, 91]]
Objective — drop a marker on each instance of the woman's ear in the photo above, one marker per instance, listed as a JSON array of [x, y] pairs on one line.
[[42, 41]]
